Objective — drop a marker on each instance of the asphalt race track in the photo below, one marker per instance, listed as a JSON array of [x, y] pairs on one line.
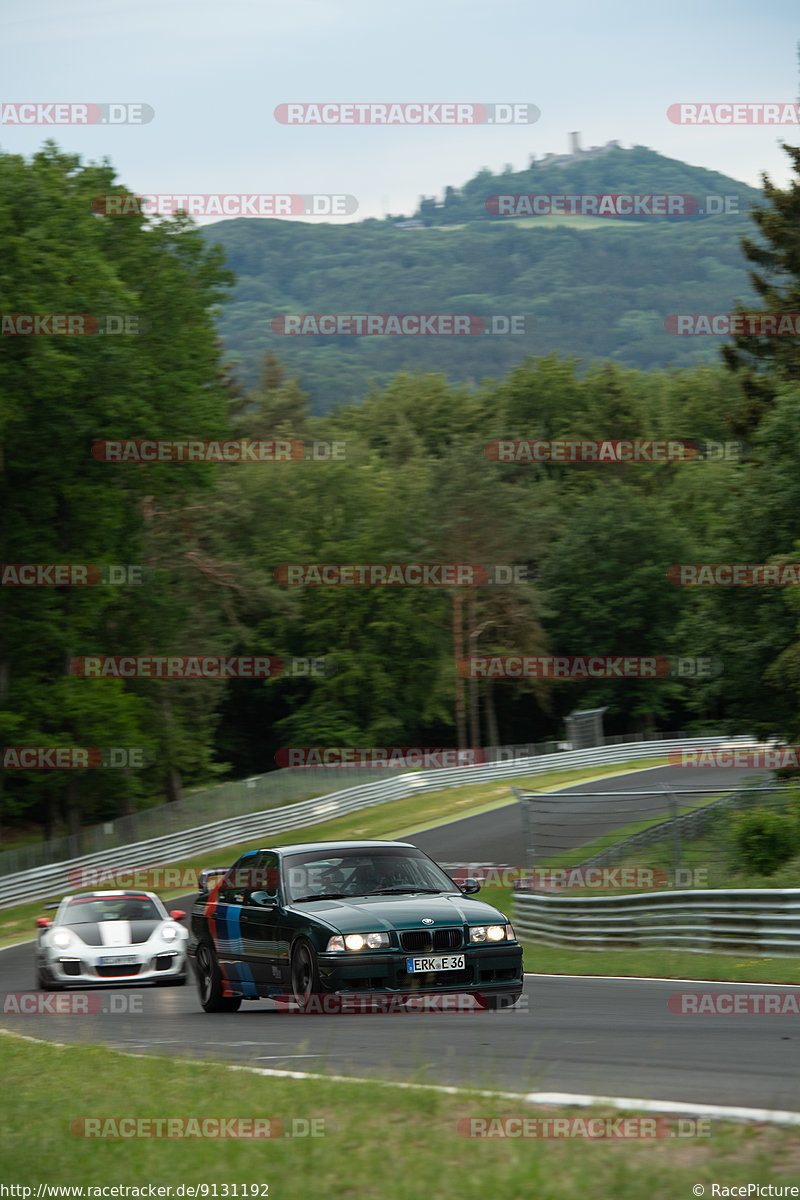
[[497, 836], [597, 1036]]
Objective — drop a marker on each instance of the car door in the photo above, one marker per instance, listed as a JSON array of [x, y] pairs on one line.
[[225, 926], [260, 921]]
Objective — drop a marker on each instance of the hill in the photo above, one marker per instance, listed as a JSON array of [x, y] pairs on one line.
[[589, 287]]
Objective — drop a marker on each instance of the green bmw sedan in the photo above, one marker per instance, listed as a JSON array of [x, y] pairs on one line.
[[334, 920]]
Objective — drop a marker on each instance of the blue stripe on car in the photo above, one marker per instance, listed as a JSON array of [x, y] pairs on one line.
[[238, 975]]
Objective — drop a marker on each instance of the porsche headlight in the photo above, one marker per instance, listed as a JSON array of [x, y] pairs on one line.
[[169, 933], [358, 941], [488, 933], [61, 938]]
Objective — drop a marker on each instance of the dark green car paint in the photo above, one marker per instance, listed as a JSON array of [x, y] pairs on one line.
[[255, 919]]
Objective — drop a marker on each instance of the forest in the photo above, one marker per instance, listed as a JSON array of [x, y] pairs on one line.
[[393, 469], [589, 287]]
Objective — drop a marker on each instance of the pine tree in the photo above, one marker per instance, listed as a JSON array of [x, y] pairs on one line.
[[763, 363]]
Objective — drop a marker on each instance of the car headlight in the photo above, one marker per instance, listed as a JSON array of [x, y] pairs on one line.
[[169, 933], [62, 939], [358, 941], [487, 933]]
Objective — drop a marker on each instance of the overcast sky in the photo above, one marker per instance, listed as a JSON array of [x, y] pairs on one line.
[[214, 73]]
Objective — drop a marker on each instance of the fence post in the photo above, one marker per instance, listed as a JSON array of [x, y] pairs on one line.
[[527, 832], [676, 836]]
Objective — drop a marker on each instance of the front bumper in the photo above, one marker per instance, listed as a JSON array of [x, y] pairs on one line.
[[71, 970], [486, 970]]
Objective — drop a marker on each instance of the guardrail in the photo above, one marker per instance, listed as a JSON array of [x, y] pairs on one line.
[[273, 789], [734, 921], [58, 878]]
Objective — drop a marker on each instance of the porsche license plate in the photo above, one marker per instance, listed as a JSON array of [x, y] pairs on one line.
[[442, 962], [117, 960]]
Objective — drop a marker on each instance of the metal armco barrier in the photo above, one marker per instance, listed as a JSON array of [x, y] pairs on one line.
[[730, 921], [54, 879]]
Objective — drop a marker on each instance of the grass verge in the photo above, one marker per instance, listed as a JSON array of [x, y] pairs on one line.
[[380, 1142], [580, 854]]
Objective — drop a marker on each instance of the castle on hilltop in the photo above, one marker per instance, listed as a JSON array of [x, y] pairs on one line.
[[576, 153]]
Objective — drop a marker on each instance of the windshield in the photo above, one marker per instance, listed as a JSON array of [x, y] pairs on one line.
[[117, 908], [344, 873]]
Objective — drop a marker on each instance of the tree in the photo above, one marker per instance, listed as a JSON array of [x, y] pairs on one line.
[[59, 395], [761, 363], [604, 584]]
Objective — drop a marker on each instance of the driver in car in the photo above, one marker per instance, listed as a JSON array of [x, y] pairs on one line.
[[378, 875]]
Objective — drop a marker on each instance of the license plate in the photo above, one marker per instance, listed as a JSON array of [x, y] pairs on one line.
[[117, 960], [444, 962]]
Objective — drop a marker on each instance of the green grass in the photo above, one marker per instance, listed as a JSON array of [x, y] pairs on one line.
[[662, 964], [578, 855], [709, 856], [380, 1141]]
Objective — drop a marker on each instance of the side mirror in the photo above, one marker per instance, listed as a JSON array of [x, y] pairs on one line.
[[43, 922], [178, 914], [470, 886], [264, 899]]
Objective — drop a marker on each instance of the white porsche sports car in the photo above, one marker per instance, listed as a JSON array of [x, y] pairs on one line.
[[107, 938]]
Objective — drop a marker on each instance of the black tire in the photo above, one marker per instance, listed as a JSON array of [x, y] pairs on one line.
[[44, 983], [305, 973], [209, 982], [493, 1003]]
